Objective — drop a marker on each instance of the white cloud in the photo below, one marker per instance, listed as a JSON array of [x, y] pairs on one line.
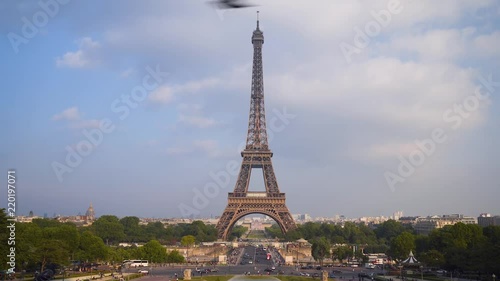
[[196, 86], [167, 93], [74, 118], [197, 121], [378, 90], [71, 114], [192, 115], [487, 45], [84, 57], [329, 20], [162, 95], [443, 45], [433, 45]]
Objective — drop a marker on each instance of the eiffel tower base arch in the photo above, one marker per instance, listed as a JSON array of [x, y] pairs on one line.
[[237, 208]]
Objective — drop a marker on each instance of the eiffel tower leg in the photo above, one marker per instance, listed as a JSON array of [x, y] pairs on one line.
[[224, 224]]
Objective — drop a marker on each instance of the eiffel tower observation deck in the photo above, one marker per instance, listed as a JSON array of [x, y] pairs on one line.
[[256, 155]]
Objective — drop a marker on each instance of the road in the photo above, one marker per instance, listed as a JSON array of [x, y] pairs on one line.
[[254, 260]]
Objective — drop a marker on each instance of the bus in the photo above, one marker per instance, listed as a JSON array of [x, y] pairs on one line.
[[135, 263]]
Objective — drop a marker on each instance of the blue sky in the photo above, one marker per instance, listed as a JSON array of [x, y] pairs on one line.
[[344, 118]]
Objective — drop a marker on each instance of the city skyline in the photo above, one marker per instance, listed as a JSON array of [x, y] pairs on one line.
[[304, 216], [372, 107]]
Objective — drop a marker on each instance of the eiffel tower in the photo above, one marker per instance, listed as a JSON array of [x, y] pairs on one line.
[[256, 154]]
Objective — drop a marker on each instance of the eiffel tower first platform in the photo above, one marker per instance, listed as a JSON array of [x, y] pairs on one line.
[[256, 154]]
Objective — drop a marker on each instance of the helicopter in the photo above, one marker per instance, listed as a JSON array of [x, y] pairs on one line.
[[231, 4]]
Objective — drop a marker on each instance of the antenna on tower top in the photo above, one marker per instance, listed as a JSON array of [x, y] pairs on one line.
[[257, 19]]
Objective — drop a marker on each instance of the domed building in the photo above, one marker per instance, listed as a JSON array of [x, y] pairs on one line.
[[90, 214]]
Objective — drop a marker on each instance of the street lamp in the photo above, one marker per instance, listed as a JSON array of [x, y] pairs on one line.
[[421, 273], [493, 276]]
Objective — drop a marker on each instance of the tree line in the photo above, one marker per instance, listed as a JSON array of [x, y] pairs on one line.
[[49, 243], [459, 247], [128, 229]]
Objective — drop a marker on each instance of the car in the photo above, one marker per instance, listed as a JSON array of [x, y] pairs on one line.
[[318, 268], [315, 274], [250, 262], [336, 271], [215, 270], [143, 271]]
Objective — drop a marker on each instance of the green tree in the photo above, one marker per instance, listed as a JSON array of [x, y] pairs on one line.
[[292, 235], [360, 256], [341, 253], [155, 231], [274, 231], [51, 252], [389, 229], [4, 236], [401, 245], [132, 230], [109, 229], [155, 252], [320, 249], [238, 231], [118, 254], [44, 223], [188, 241], [432, 258], [92, 248], [66, 234], [175, 257], [28, 240]]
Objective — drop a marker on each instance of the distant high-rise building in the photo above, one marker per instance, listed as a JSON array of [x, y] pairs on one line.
[[485, 220], [397, 215], [30, 214], [90, 214]]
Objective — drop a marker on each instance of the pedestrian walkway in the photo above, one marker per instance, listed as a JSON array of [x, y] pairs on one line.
[[106, 277]]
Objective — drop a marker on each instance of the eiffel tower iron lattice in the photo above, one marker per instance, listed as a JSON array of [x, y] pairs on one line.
[[256, 154]]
